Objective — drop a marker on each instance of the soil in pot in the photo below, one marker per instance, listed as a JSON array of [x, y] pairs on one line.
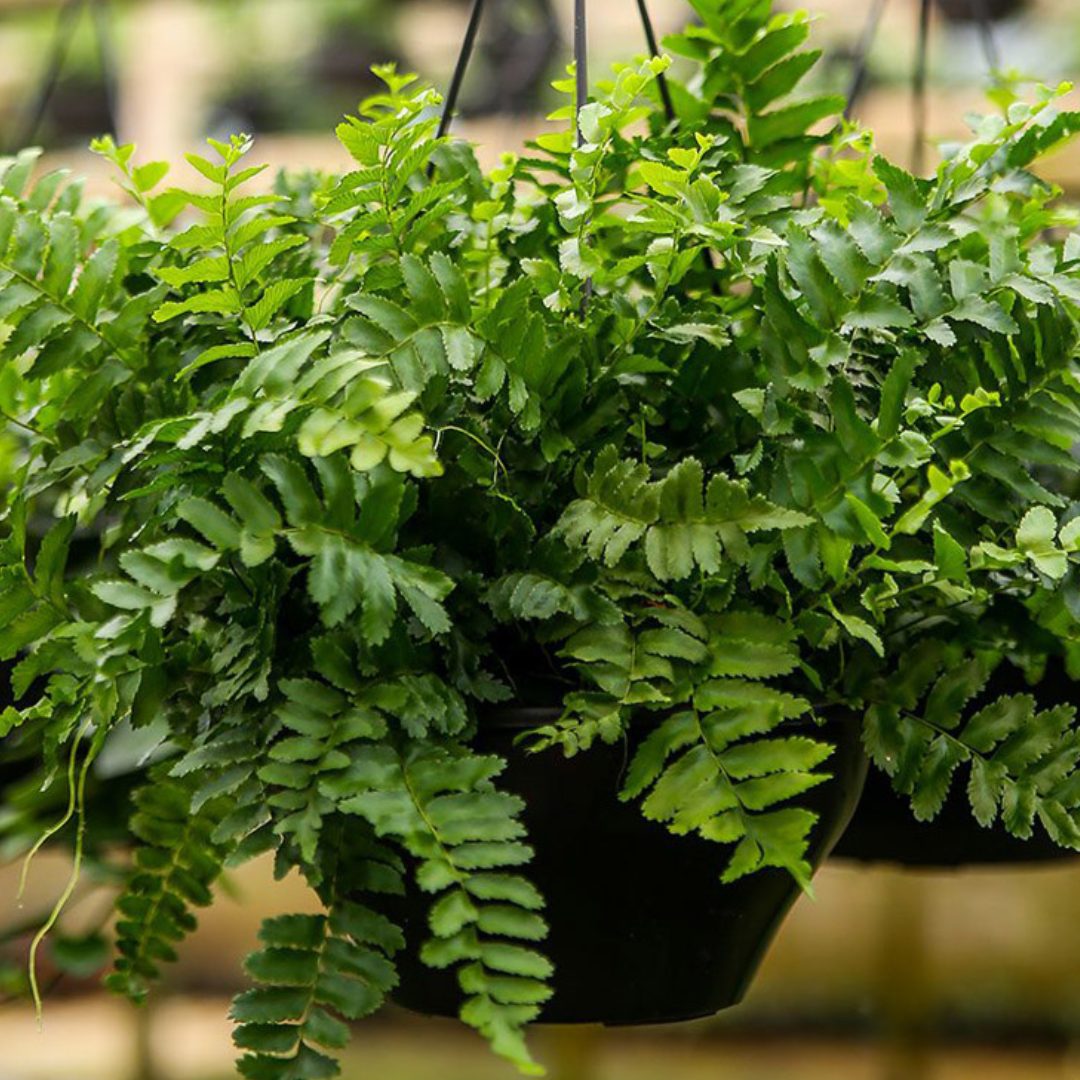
[[642, 929], [885, 830]]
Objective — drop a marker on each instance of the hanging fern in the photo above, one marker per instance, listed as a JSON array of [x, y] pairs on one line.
[[692, 431], [1021, 760]]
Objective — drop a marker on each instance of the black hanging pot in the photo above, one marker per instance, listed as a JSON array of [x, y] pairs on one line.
[[642, 929], [885, 830]]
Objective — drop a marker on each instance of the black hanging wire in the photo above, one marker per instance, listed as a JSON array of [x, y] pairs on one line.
[[581, 65], [453, 92], [871, 28], [460, 68], [107, 60], [862, 56], [669, 112], [918, 91], [654, 50], [468, 46], [67, 21], [38, 106], [986, 35], [581, 97], [581, 53], [581, 81]]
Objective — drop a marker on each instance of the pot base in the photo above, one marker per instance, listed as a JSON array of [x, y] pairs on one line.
[[642, 929]]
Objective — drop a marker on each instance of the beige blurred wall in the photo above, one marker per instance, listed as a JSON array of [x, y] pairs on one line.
[[996, 939]]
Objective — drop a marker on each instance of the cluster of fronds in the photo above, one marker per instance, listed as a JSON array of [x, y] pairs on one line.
[[718, 454]]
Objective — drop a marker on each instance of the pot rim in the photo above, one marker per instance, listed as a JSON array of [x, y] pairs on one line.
[[518, 717]]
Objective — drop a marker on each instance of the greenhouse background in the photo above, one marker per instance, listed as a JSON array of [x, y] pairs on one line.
[[885, 975]]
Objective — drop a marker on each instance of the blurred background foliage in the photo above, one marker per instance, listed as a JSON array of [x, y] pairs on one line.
[[948, 975], [173, 71]]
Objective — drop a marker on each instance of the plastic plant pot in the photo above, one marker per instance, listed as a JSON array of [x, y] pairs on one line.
[[643, 931], [884, 829]]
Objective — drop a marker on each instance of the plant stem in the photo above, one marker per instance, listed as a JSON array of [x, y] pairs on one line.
[[69, 888]]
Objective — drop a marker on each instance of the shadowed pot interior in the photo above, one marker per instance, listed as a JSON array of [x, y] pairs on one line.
[[642, 929]]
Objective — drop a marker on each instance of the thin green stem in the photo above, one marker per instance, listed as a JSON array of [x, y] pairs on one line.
[[25, 426], [69, 813], [69, 888], [490, 450], [230, 255], [388, 209]]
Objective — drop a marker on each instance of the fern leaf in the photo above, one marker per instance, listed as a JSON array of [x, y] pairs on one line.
[[684, 525], [238, 252], [713, 774], [443, 806], [1023, 762], [175, 864], [316, 973]]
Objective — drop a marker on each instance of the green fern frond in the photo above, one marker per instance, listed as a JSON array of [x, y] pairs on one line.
[[389, 206], [342, 398], [176, 863], [141, 181], [62, 296], [320, 724], [316, 973], [715, 769], [347, 572], [432, 337], [683, 524], [1024, 764], [650, 662], [226, 264], [442, 805]]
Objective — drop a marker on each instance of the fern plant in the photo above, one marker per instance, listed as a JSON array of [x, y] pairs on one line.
[[702, 432]]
